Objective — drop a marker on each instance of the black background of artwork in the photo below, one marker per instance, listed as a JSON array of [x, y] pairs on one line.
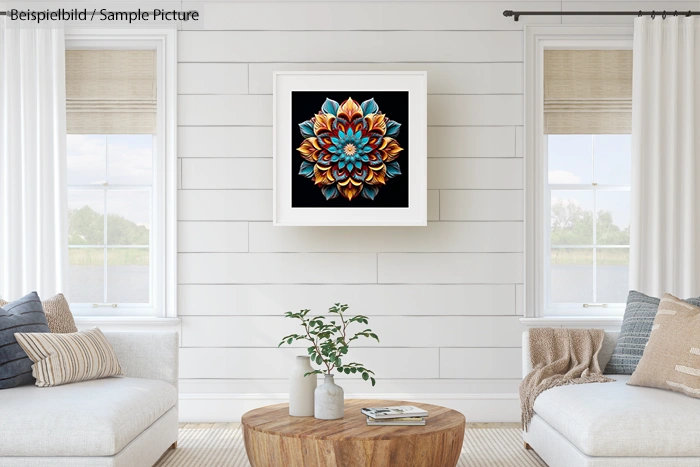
[[306, 104]]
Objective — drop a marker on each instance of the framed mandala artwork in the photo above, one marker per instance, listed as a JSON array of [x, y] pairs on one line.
[[350, 148]]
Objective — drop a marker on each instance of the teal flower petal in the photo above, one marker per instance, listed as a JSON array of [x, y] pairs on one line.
[[306, 169], [370, 191], [392, 128], [307, 129], [330, 192], [393, 169], [341, 165], [369, 107], [330, 107]]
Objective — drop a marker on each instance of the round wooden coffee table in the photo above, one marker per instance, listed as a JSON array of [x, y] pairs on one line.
[[274, 439]]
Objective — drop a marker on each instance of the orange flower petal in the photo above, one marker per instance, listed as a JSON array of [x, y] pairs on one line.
[[376, 122], [323, 123], [320, 176], [309, 149], [350, 110], [389, 149], [350, 191]]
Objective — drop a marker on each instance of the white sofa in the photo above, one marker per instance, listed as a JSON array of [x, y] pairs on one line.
[[125, 421], [613, 424]]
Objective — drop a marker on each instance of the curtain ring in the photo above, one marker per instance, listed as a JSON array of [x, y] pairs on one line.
[[664, 15], [640, 14], [653, 14], [675, 13], [688, 15]]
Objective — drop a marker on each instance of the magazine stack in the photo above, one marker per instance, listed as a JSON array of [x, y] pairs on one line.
[[402, 415]]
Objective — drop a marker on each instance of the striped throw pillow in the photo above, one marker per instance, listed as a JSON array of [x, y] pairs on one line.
[[58, 313], [69, 358], [672, 357]]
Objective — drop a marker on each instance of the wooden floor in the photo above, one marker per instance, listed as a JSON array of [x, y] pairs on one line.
[[202, 426]]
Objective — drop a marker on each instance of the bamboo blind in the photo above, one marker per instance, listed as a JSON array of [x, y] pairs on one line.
[[111, 91], [587, 91]]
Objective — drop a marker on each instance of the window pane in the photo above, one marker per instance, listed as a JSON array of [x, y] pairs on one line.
[[128, 218], [612, 275], [128, 279], [130, 159], [571, 275], [85, 217], [86, 275], [572, 217], [613, 220], [613, 159], [570, 159], [86, 158]]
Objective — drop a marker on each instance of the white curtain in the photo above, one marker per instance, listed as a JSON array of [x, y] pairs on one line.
[[665, 229], [33, 208]]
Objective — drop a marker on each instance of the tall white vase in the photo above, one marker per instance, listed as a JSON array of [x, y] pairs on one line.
[[329, 400], [301, 388]]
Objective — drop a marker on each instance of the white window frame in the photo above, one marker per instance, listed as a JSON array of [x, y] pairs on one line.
[[537, 40], [163, 244]]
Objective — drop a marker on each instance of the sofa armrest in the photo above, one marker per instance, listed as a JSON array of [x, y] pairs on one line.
[[150, 355]]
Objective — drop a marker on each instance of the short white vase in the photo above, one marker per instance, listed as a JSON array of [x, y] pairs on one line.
[[301, 388], [329, 401]]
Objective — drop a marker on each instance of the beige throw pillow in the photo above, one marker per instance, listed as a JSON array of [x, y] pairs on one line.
[[671, 359], [68, 358], [58, 314]]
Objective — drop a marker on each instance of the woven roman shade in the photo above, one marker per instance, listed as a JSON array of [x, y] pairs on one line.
[[111, 91], [587, 91]]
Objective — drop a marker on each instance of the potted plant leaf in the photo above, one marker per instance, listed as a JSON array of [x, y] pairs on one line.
[[330, 339]]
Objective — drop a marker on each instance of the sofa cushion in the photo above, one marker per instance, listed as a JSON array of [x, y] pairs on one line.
[[69, 357], [23, 315], [634, 335], [672, 356], [58, 314], [617, 420], [90, 418]]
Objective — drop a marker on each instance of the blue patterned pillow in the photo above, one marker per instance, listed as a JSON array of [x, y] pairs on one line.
[[23, 315], [634, 335]]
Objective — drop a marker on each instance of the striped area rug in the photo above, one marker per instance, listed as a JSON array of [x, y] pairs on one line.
[[222, 446]]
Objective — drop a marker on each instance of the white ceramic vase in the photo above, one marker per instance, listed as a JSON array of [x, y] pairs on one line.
[[301, 388], [329, 400]]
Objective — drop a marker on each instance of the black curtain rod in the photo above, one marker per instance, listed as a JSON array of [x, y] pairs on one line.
[[517, 14]]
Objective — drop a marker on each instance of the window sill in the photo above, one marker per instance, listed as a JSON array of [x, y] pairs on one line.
[[127, 323], [609, 323]]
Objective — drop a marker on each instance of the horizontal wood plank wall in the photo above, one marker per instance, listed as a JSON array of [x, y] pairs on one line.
[[443, 298]]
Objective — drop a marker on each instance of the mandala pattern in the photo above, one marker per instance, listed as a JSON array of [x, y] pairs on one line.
[[350, 149]]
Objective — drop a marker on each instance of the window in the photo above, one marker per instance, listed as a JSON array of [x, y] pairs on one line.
[[588, 191], [121, 170], [110, 219], [578, 156]]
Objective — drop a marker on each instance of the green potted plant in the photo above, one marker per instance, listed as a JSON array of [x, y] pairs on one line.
[[330, 341]]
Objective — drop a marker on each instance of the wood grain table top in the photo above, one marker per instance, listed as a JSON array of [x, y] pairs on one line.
[[275, 419]]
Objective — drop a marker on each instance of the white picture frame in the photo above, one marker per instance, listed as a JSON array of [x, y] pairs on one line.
[[286, 159]]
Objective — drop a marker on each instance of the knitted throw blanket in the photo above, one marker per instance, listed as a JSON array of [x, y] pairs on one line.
[[560, 357]]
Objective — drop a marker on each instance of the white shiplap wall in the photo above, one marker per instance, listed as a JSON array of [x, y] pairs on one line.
[[445, 298], [441, 297]]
